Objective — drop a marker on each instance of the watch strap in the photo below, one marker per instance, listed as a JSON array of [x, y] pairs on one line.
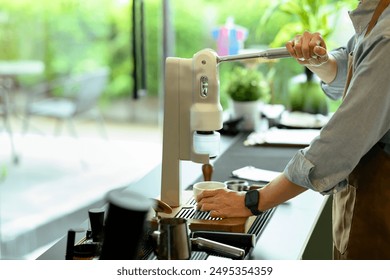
[[252, 199]]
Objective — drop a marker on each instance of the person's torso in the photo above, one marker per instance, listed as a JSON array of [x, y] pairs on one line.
[[361, 45]]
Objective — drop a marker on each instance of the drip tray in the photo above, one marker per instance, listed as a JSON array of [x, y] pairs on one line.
[[246, 241]]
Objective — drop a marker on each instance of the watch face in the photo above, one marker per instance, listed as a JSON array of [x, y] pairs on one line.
[[252, 201]]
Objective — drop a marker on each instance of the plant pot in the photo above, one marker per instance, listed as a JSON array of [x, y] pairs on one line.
[[250, 111]]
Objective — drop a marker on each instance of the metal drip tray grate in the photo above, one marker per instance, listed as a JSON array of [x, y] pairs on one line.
[[190, 212], [260, 222]]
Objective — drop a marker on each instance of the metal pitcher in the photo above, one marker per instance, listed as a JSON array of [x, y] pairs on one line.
[[172, 240]]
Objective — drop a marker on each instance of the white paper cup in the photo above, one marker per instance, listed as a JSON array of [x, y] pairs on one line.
[[207, 185]]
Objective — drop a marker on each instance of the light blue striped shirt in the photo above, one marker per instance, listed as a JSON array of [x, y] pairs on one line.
[[362, 120]]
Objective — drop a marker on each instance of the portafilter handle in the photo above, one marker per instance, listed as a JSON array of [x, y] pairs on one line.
[[207, 170]]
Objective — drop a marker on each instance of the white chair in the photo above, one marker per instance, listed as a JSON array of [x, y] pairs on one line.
[[78, 95]]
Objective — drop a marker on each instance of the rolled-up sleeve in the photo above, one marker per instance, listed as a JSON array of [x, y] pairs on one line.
[[300, 171], [335, 89]]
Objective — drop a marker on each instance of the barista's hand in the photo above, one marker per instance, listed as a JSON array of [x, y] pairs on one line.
[[223, 203], [308, 49]]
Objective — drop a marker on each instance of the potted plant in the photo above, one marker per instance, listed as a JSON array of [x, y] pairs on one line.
[[248, 90]]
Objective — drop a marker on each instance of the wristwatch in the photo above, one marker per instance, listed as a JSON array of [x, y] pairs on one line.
[[252, 198]]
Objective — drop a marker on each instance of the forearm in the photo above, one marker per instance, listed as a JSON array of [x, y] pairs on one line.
[[326, 72], [278, 191]]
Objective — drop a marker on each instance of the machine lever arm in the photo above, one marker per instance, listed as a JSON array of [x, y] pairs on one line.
[[267, 54]]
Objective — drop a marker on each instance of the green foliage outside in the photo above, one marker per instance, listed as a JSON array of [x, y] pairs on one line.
[[247, 84], [74, 36], [68, 36], [304, 15]]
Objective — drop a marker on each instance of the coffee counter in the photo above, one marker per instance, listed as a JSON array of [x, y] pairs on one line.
[[296, 229]]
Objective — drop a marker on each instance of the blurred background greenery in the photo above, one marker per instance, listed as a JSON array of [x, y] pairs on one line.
[[73, 35]]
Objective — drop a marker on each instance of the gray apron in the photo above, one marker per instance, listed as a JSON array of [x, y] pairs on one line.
[[361, 212]]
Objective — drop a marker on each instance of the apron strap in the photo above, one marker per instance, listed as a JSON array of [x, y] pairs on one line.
[[377, 13], [382, 5]]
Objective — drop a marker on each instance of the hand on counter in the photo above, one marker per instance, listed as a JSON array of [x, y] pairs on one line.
[[223, 203]]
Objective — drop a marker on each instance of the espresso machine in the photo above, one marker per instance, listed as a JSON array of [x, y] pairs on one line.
[[192, 116]]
